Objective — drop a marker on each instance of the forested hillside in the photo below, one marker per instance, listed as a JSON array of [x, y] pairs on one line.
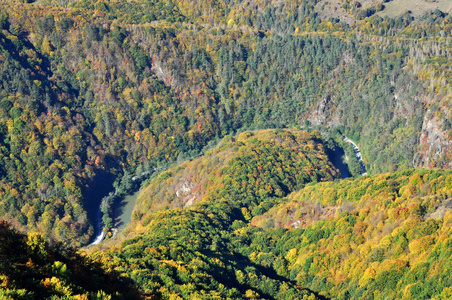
[[373, 237], [196, 250], [30, 268], [90, 91], [385, 236], [250, 168], [194, 98]]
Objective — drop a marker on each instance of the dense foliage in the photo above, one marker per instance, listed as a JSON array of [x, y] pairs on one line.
[[195, 251], [95, 96], [348, 239], [248, 169], [386, 236], [30, 268], [92, 91]]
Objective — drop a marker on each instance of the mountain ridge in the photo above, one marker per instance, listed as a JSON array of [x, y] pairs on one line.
[[96, 96]]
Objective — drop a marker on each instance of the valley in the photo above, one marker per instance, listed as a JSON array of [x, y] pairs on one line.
[[225, 150]]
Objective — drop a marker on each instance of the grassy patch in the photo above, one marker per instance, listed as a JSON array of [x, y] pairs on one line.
[[417, 7]]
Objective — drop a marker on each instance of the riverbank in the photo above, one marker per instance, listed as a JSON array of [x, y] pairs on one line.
[[357, 154]]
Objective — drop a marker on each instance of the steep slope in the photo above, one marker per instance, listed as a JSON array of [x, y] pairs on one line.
[[249, 168], [32, 269], [90, 92], [198, 250], [95, 94], [76, 110], [381, 236]]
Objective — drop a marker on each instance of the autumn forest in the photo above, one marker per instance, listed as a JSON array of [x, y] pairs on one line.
[[198, 149]]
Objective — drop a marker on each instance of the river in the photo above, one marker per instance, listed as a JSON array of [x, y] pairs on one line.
[[337, 157], [122, 216], [358, 155], [123, 210]]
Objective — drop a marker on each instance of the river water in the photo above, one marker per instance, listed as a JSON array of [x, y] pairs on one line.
[[337, 157], [123, 210], [122, 216]]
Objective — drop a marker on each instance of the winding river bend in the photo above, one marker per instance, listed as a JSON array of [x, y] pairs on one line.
[[122, 216], [358, 155], [123, 210]]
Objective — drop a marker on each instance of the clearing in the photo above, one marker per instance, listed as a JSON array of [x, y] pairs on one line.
[[417, 7]]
